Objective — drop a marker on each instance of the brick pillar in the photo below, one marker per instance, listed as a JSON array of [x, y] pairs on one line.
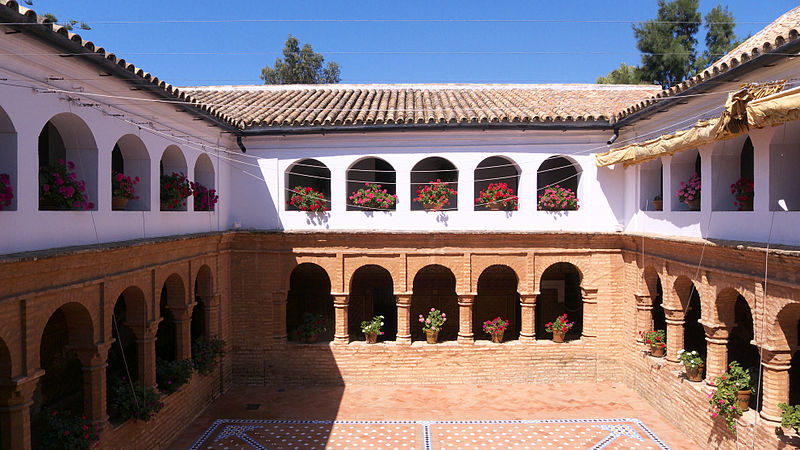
[[403, 318], [590, 317], [16, 399], [716, 351], [93, 364], [644, 315], [776, 366], [146, 350], [527, 318], [675, 321], [279, 300], [341, 334], [211, 314], [465, 303], [183, 331]]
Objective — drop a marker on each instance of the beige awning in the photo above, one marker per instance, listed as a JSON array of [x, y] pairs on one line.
[[774, 110], [731, 123]]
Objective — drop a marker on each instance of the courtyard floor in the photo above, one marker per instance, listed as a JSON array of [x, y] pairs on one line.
[[574, 416]]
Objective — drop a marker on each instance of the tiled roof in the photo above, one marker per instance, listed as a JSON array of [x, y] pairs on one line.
[[783, 30], [399, 104]]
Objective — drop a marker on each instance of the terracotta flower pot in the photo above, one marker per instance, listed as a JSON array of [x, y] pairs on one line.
[[658, 205], [695, 374], [372, 337], [431, 336], [495, 206], [311, 339], [743, 399], [497, 337], [558, 336], [694, 205], [747, 205], [119, 203], [429, 206], [657, 351]]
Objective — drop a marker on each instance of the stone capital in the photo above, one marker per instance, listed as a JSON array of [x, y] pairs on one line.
[[589, 294], [18, 393], [528, 299], [340, 299], [93, 357], [466, 299], [403, 299], [145, 332], [280, 297]]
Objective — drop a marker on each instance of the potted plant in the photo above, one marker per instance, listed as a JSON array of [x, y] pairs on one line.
[[133, 401], [204, 198], [559, 327], [68, 431], [6, 191], [175, 189], [689, 192], [372, 328], [434, 195], [60, 189], [171, 375], [310, 328], [657, 341], [496, 328], [122, 190], [496, 197], [556, 198], [742, 192], [693, 364], [658, 203], [305, 198], [372, 197], [433, 324], [731, 394], [790, 416], [206, 354]]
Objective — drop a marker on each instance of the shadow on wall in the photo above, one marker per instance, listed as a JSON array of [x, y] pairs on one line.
[[251, 194]]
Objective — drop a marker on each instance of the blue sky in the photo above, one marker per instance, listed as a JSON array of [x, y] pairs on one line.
[[567, 44]]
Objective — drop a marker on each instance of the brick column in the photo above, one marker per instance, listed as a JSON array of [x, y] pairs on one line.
[[16, 399], [675, 321], [183, 331], [279, 300], [644, 315], [93, 364], [340, 303], [590, 317], [716, 350], [776, 383], [146, 350], [527, 329], [403, 318], [465, 303], [211, 314]]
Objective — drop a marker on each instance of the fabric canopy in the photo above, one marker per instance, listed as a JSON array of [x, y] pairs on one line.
[[774, 110], [731, 123]]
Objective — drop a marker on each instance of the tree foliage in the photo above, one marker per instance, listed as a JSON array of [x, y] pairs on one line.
[[300, 66], [720, 37], [624, 74], [668, 42]]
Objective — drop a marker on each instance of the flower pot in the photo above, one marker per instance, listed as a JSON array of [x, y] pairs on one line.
[[743, 399], [430, 206], [497, 337], [558, 336], [495, 206], [694, 205], [695, 374], [656, 351], [372, 337], [311, 339], [165, 206], [658, 205], [431, 336], [119, 203], [746, 205]]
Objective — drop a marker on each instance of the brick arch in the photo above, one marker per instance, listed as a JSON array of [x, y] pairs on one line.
[[682, 287], [80, 324], [783, 328], [135, 306], [204, 280], [176, 291], [115, 289], [392, 264], [351, 276], [310, 296], [454, 263], [651, 278], [327, 263], [725, 303], [430, 289], [517, 264], [544, 263]]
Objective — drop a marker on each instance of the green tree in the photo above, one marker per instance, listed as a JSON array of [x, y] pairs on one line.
[[720, 37], [300, 66], [624, 74]]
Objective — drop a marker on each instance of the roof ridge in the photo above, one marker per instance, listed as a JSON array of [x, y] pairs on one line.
[[428, 86]]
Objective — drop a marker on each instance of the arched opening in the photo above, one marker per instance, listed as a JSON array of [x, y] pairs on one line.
[[435, 287], [8, 163], [372, 294], [500, 172], [740, 340], [173, 294], [373, 171], [559, 294], [309, 292], [497, 297], [171, 168], [204, 190], [308, 173], [123, 359], [66, 146], [203, 290], [683, 167], [784, 164], [429, 170], [651, 184], [694, 335], [732, 175], [131, 159], [653, 282], [558, 172], [794, 371]]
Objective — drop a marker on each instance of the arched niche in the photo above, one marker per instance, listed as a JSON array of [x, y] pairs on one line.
[[435, 287], [497, 297], [561, 171], [131, 158], [372, 294], [559, 293], [308, 173], [732, 160], [67, 138], [740, 339], [496, 170], [309, 292], [204, 175], [682, 167], [694, 335], [8, 160], [172, 161], [784, 165], [429, 170], [651, 183], [203, 292], [123, 357], [370, 170]]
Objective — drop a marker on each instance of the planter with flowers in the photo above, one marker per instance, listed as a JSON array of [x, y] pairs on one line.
[[310, 328], [175, 189], [731, 394], [305, 198], [372, 197], [433, 324], [68, 431], [372, 328], [204, 198], [206, 354], [556, 198], [790, 416], [559, 327], [742, 192], [496, 328], [60, 189], [435, 195], [693, 364], [6, 191], [133, 401], [657, 341], [658, 203], [689, 192], [497, 197], [122, 190], [171, 375]]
